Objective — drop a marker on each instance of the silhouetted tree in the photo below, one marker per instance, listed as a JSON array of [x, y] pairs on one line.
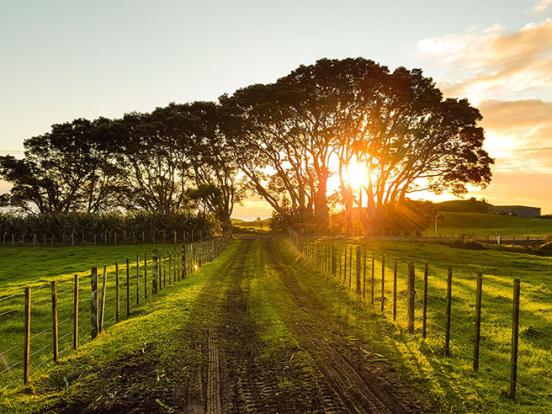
[[63, 170]]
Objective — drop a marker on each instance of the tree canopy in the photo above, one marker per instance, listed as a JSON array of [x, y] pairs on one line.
[[285, 141]]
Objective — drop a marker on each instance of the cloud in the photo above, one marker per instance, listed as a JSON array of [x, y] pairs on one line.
[[541, 6], [519, 134], [493, 62]]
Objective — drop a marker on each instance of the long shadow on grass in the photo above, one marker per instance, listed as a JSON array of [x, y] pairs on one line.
[[152, 373]]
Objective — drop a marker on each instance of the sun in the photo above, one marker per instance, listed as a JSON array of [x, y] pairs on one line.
[[356, 174]]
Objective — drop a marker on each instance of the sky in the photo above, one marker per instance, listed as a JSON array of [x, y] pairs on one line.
[[61, 60]]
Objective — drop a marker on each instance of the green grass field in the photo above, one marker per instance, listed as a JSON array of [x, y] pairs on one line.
[[479, 224], [37, 267], [279, 293], [22, 266], [452, 376], [151, 322]]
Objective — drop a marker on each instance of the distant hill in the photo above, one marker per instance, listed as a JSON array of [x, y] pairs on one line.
[[475, 206], [463, 206], [490, 224], [253, 225]]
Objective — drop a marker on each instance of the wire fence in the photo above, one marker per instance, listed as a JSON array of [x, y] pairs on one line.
[[56, 317], [11, 239], [481, 322]]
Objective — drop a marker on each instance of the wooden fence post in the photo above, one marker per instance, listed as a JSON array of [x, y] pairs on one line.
[[449, 312], [171, 275], [411, 296], [178, 273], [339, 265], [155, 273], [515, 340], [200, 252], [364, 276], [382, 282], [94, 303], [345, 266], [424, 312], [358, 270], [477, 339], [350, 266], [117, 315], [373, 281], [137, 280], [127, 288], [146, 275], [164, 261], [55, 336], [183, 270], [27, 349], [334, 259], [76, 313], [395, 290], [104, 292]]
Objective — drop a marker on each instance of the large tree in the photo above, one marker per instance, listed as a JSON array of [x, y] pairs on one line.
[[415, 140], [198, 129], [260, 129], [397, 123], [153, 167], [63, 170]]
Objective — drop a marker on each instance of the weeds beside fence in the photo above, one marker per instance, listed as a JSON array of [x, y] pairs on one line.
[[50, 319], [484, 324]]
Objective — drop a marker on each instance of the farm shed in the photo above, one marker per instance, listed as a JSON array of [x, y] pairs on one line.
[[521, 211]]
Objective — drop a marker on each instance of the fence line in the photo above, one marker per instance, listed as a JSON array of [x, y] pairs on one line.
[[321, 252], [113, 285], [10, 239]]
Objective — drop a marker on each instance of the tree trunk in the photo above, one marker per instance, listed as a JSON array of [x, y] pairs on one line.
[[321, 210]]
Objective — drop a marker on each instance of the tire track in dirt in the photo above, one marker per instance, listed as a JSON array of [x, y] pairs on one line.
[[251, 387], [196, 395], [214, 397], [356, 389]]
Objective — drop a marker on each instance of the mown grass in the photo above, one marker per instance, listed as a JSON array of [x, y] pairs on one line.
[[33, 265], [150, 337], [479, 224], [169, 346], [61, 264], [452, 377]]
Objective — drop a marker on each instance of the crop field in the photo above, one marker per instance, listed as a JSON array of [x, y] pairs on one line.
[[453, 375]]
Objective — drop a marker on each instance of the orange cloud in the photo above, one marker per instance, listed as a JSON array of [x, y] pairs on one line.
[[493, 62], [519, 134]]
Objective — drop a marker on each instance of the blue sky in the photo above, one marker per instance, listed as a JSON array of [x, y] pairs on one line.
[[66, 59]]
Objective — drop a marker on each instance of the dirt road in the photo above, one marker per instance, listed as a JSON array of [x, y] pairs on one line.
[[260, 336]]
